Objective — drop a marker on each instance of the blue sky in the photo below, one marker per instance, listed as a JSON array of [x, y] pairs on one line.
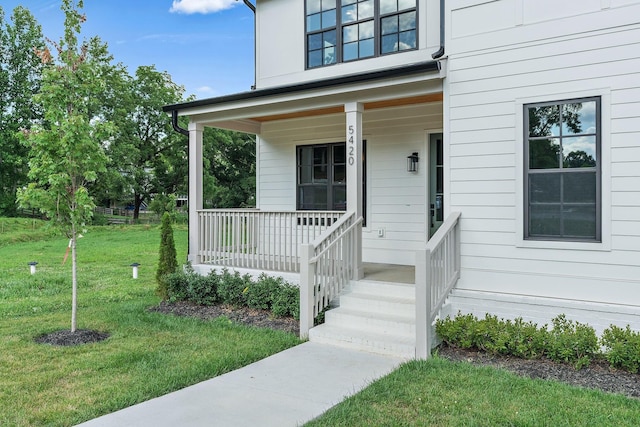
[[205, 45]]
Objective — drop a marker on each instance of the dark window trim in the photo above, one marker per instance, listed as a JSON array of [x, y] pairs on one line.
[[364, 175], [377, 17], [598, 170]]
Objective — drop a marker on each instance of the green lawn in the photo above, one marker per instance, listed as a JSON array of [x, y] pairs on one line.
[[443, 393], [147, 355]]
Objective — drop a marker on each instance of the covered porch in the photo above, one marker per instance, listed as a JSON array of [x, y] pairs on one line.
[[387, 215]]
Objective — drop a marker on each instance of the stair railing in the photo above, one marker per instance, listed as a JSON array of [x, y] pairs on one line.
[[437, 271], [326, 267]]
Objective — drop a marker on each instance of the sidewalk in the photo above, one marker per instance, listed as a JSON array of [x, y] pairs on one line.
[[286, 389]]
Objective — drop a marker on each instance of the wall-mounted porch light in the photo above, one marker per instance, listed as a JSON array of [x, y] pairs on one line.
[[412, 162]]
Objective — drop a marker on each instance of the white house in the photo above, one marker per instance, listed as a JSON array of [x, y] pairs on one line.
[[510, 127]]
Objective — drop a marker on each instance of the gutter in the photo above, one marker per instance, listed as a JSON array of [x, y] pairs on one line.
[[440, 52], [255, 44], [405, 70], [176, 126]]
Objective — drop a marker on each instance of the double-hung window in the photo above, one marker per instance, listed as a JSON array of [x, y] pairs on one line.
[[348, 30], [563, 170]]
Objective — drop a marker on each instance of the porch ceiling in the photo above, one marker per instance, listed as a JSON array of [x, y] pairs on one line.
[[397, 102], [247, 115]]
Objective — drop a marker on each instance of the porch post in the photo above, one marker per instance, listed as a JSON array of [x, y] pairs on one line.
[[354, 111], [195, 189]]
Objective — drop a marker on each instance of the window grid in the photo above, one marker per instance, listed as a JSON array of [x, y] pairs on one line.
[[562, 170], [348, 30]]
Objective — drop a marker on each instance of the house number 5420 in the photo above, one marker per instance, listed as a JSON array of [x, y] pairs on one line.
[[352, 149]]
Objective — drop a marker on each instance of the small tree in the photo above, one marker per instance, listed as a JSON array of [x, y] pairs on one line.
[[66, 147], [168, 262]]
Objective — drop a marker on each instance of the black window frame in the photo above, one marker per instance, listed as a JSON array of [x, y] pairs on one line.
[[339, 29], [563, 173], [330, 183]]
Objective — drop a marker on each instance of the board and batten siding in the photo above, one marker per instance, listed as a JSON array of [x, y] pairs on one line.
[[502, 55], [396, 199]]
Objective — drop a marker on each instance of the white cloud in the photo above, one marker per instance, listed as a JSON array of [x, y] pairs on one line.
[[201, 6], [206, 91]]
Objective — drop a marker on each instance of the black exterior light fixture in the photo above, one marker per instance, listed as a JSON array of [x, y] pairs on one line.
[[412, 162]]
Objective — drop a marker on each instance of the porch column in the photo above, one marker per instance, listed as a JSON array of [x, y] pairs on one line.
[[195, 189], [354, 111]]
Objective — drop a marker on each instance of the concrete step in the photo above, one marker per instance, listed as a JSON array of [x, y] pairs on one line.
[[363, 340], [378, 303], [396, 325], [383, 288]]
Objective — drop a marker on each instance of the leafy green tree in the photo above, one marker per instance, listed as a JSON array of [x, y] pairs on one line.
[[66, 149], [229, 168], [20, 74], [146, 156], [168, 263]]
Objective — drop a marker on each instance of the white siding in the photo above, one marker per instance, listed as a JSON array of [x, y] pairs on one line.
[[542, 50], [396, 199]]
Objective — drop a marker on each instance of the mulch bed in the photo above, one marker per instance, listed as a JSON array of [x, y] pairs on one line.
[[243, 315], [598, 375], [68, 338]]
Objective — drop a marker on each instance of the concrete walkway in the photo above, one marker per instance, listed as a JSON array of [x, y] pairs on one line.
[[286, 389]]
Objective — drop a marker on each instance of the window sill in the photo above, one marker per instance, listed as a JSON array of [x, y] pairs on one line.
[[573, 246]]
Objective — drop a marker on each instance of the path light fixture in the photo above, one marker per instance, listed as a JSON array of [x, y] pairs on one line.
[[135, 266], [32, 267], [412, 162]]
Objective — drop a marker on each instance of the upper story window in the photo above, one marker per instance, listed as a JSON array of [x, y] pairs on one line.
[[562, 170], [347, 30]]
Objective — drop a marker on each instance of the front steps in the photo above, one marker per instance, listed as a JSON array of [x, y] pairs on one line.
[[378, 317]]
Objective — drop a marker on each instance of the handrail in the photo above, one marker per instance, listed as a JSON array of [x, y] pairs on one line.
[[335, 241], [326, 267], [437, 271]]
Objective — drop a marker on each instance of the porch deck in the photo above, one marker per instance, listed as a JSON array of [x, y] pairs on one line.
[[389, 273]]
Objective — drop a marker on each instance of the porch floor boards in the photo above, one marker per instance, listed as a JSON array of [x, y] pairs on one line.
[[389, 273]]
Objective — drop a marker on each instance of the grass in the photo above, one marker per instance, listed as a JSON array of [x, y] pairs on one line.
[[438, 392], [147, 355]]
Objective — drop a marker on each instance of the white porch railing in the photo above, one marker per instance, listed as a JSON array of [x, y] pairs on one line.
[[265, 240], [326, 267], [437, 271]]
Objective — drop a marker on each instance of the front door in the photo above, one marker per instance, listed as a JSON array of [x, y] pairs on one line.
[[436, 183]]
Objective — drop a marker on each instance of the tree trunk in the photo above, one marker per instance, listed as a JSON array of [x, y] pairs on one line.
[[74, 281], [136, 206]]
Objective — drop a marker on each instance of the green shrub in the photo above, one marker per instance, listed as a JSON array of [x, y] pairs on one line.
[[203, 290], [262, 293], [167, 263], [571, 342], [266, 293], [525, 339], [622, 348], [287, 301], [459, 331], [232, 288], [177, 285]]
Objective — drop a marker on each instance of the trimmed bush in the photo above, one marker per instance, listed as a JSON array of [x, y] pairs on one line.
[[261, 294], [571, 342], [567, 341], [232, 288], [622, 348], [287, 302]]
